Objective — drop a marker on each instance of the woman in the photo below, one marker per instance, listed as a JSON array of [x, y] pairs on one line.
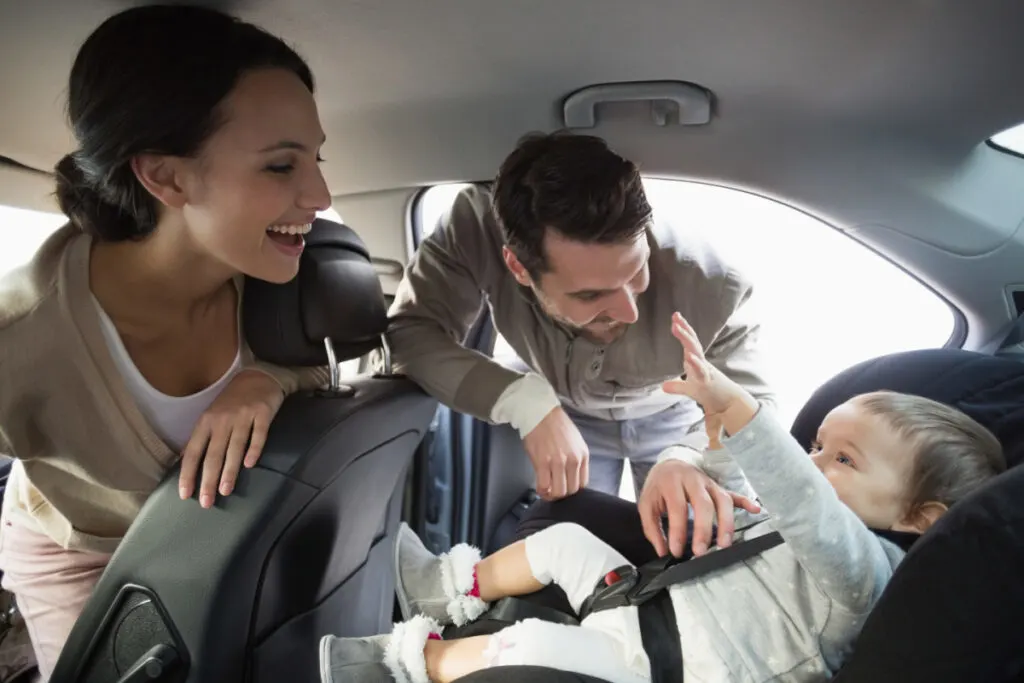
[[197, 163]]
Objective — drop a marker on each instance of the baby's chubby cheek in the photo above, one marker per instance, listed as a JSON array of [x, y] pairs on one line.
[[836, 483]]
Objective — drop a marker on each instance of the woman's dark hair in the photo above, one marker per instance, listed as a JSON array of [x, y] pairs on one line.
[[149, 80]]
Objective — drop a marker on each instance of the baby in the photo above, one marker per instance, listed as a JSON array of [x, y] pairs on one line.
[[881, 461]]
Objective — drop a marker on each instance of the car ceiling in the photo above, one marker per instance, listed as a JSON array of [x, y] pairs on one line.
[[871, 114]]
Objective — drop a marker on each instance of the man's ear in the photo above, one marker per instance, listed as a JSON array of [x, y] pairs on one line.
[[159, 174], [516, 267], [921, 519]]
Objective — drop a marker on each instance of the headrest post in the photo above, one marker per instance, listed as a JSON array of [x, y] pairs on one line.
[[332, 365], [386, 352]]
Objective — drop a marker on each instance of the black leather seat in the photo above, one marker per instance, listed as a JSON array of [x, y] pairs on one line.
[[242, 592], [951, 612]]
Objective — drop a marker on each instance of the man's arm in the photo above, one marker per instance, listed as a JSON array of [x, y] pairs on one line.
[[437, 302]]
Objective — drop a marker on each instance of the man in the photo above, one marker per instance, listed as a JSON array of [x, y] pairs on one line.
[[582, 283]]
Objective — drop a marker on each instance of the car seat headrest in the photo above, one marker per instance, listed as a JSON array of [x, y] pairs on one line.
[[336, 296], [990, 389]]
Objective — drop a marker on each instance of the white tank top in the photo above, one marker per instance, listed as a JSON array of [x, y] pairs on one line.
[[172, 417]]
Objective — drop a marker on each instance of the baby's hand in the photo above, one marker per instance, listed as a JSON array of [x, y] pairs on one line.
[[724, 402], [701, 380]]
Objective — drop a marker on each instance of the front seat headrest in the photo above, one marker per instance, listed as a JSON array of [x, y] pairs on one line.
[[336, 296]]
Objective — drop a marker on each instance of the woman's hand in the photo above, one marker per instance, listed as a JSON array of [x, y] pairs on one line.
[[230, 433], [726, 404]]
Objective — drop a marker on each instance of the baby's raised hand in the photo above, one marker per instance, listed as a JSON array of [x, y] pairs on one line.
[[701, 380], [716, 394]]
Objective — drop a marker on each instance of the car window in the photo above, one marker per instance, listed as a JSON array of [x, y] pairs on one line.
[[1011, 140], [23, 231], [826, 301]]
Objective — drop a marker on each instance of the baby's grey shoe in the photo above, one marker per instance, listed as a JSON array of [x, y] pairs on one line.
[[354, 660], [397, 657], [439, 587]]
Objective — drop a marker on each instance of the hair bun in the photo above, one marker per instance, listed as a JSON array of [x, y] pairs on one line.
[[84, 205]]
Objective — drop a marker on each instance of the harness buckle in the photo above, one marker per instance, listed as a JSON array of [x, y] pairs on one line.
[[625, 585]]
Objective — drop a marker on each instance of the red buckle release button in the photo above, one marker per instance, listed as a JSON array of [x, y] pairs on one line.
[[612, 577]]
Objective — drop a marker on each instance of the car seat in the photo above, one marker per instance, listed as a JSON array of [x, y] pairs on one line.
[[951, 612], [243, 591]]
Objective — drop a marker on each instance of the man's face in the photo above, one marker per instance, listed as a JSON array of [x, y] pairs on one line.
[[591, 288]]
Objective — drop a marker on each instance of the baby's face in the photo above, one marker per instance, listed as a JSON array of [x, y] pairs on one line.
[[867, 463]]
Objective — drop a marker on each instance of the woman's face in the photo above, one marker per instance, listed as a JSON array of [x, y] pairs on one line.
[[257, 184]]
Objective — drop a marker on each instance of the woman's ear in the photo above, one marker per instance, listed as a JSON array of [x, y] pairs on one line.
[[159, 175], [921, 519]]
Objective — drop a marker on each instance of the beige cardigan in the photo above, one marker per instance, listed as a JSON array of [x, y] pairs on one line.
[[87, 458]]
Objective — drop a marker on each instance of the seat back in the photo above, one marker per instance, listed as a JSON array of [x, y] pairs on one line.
[[243, 591]]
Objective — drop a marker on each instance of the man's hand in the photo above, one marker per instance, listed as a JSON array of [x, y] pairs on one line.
[[559, 455], [669, 487], [235, 425]]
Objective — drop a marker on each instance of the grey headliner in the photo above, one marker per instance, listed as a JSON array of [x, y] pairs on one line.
[[868, 113]]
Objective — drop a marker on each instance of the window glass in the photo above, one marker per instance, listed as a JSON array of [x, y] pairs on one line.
[[826, 301], [1011, 139], [22, 231]]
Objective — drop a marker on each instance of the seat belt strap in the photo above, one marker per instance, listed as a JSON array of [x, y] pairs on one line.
[[660, 635], [512, 610], [658, 628], [636, 585], [705, 564], [1011, 335]]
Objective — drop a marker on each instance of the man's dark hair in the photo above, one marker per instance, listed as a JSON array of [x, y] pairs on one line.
[[572, 184]]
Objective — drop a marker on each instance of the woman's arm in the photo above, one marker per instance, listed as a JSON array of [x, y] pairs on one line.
[[294, 379]]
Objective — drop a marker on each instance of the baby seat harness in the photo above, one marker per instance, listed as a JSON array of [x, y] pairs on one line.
[[644, 587]]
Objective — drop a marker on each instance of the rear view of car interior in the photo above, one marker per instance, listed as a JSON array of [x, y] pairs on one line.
[[860, 161]]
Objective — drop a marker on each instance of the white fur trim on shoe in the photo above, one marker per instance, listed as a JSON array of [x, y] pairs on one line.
[[403, 655], [465, 609], [458, 568]]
